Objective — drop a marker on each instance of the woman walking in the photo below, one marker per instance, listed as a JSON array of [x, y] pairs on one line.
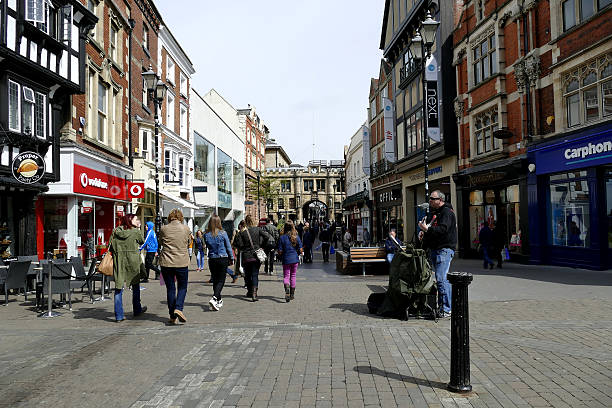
[[249, 241], [199, 246], [150, 247], [289, 248], [124, 246], [219, 257], [174, 238]]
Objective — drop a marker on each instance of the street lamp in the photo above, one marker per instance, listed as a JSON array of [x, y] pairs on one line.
[[420, 47], [258, 174], [158, 90]]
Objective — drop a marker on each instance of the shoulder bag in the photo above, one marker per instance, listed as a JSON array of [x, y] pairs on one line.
[[259, 253], [106, 265]]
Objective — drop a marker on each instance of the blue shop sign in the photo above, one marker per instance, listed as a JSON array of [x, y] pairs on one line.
[[588, 149]]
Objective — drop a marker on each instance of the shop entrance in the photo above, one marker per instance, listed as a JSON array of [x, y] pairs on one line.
[[609, 213]]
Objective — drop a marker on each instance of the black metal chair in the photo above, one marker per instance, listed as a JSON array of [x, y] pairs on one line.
[[60, 279], [16, 278], [31, 275], [82, 278]]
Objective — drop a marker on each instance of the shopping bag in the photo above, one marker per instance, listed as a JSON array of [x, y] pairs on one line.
[[506, 254], [332, 250], [318, 247]]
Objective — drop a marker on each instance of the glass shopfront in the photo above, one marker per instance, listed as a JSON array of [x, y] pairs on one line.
[[390, 213], [204, 160], [56, 226], [569, 210]]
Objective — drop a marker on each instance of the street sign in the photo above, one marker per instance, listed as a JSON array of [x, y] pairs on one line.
[[249, 202]]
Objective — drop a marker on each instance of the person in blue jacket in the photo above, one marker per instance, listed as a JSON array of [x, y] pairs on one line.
[[289, 248], [220, 255], [150, 247]]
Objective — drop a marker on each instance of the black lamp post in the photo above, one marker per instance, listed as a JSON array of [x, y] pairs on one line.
[[158, 90], [258, 174], [420, 47]]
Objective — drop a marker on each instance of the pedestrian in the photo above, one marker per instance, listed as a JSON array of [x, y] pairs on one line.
[[124, 246], [392, 245], [220, 256], [300, 230], [271, 246], [150, 247], [200, 246], [439, 234], [485, 238], [249, 241], [366, 237], [347, 241], [307, 243], [174, 239], [499, 244], [325, 238], [289, 248], [238, 269]]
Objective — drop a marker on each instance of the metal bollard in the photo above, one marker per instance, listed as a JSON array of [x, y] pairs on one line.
[[460, 333]]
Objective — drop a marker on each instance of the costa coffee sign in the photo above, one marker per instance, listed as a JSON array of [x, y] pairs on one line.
[[95, 183]]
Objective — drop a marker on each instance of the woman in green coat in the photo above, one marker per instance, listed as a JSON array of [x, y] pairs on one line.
[[124, 244]]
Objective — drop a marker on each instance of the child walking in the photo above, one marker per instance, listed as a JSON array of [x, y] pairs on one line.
[[289, 248]]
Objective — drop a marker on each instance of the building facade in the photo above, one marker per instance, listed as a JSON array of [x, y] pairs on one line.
[[42, 61], [312, 193], [275, 155], [256, 133]]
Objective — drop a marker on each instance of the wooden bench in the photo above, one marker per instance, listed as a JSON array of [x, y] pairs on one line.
[[365, 255]]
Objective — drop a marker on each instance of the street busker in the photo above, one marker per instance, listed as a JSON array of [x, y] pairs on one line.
[[307, 242], [289, 248], [150, 247], [124, 246], [200, 246], [325, 238], [439, 234], [270, 246], [485, 237], [220, 255], [248, 242], [392, 245], [174, 239]]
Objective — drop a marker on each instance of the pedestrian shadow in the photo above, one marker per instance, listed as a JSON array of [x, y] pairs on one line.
[[399, 377], [356, 308], [95, 313], [248, 299]]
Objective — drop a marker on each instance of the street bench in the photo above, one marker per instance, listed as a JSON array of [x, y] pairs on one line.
[[365, 255]]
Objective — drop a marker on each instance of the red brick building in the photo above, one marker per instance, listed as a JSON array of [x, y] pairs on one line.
[[256, 133]]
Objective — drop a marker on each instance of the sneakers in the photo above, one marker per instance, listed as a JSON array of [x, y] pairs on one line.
[[215, 304], [442, 314], [179, 314]]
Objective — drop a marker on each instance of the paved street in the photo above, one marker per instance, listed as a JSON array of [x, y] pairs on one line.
[[540, 336]]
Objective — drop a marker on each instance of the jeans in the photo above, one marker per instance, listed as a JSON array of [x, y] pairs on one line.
[[485, 256], [269, 266], [289, 272], [175, 294], [251, 274], [137, 307], [218, 267], [200, 259], [390, 257], [325, 249], [307, 254], [149, 264], [441, 260]]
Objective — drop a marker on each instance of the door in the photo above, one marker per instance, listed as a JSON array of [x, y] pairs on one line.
[[609, 214]]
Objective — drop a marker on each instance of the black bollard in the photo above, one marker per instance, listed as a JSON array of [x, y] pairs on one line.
[[460, 333]]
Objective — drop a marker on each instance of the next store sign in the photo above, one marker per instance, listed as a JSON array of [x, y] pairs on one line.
[[587, 151]]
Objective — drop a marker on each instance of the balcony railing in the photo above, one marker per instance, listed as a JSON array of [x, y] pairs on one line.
[[381, 168]]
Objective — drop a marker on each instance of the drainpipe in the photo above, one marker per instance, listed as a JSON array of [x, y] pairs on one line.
[[132, 24]]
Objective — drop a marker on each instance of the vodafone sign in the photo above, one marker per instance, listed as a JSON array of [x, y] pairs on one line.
[[96, 183], [135, 190]]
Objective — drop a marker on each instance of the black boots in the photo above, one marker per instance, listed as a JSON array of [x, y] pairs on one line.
[[254, 296], [287, 293], [292, 294]]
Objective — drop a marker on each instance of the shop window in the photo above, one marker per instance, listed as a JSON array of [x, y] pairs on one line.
[[238, 179], [204, 160], [609, 206], [56, 226], [569, 210], [587, 91], [224, 179], [86, 234], [485, 124]]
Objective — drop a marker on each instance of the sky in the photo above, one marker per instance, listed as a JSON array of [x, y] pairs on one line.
[[304, 65]]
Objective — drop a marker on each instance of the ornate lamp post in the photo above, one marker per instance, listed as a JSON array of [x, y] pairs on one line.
[[420, 47], [158, 91]]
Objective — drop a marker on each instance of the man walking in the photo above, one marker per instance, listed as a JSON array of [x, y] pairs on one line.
[[439, 234], [325, 238], [270, 246]]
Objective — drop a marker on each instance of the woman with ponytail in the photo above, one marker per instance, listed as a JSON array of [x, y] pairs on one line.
[[289, 248]]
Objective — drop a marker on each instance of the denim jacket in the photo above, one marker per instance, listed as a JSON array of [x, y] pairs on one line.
[[219, 246]]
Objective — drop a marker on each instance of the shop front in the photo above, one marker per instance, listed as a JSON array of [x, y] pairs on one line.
[[440, 178], [357, 210], [570, 200], [496, 195], [389, 212], [82, 209]]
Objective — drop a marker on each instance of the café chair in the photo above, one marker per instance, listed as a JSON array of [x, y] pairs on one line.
[[60, 279], [15, 278]]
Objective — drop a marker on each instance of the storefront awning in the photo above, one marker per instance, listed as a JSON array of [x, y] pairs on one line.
[[169, 202]]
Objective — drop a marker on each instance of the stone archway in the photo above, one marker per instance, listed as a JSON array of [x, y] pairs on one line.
[[315, 210]]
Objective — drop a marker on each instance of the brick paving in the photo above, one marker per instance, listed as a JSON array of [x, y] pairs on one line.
[[539, 337]]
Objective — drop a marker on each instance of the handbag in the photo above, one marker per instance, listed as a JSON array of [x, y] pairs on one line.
[[106, 265], [259, 253]]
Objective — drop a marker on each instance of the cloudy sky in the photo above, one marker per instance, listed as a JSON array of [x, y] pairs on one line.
[[304, 65]]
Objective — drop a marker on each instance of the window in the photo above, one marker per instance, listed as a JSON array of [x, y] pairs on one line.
[[169, 69], [14, 106], [183, 85], [167, 164], [47, 24], [170, 111], [373, 109], [281, 204], [320, 185], [587, 91], [146, 150], [204, 159], [484, 126], [224, 179], [145, 93], [102, 94], [285, 186], [308, 185], [479, 10], [145, 37], [413, 133], [183, 120], [485, 59], [35, 11], [91, 6], [569, 210], [238, 179], [39, 115], [292, 202], [578, 11], [181, 169], [113, 42]]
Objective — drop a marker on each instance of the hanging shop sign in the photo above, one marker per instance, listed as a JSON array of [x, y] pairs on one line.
[[135, 189], [99, 184], [365, 160], [389, 130], [28, 167], [432, 100]]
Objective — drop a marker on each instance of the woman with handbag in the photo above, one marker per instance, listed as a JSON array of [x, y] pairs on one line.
[[250, 242], [220, 255], [289, 248], [124, 246]]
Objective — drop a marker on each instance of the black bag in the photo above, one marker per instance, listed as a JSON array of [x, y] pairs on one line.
[[375, 300]]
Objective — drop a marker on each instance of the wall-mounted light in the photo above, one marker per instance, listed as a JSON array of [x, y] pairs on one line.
[[531, 167]]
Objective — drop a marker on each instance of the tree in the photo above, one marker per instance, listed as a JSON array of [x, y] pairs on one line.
[[269, 189]]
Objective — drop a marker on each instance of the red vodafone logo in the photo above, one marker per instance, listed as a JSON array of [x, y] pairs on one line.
[[84, 179], [135, 190]]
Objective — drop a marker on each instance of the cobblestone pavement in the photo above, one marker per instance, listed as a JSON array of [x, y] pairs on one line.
[[540, 336]]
